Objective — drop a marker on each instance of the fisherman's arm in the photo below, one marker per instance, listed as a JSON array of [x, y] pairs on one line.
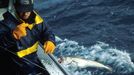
[[47, 38]]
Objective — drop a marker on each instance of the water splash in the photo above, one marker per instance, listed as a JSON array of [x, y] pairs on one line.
[[101, 52]]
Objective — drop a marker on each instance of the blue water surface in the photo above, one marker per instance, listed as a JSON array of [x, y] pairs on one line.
[[107, 24]]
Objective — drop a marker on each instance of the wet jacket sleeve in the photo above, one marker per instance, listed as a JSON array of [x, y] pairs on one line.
[[46, 34]]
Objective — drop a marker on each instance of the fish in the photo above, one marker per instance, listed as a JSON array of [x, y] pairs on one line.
[[84, 63]]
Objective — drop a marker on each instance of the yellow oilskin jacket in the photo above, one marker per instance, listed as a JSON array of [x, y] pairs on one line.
[[27, 34]]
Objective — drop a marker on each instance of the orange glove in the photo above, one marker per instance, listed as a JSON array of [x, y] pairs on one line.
[[49, 47], [20, 31]]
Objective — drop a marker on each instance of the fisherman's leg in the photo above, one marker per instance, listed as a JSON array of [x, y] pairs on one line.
[[40, 69], [34, 70], [9, 67], [4, 65], [33, 66]]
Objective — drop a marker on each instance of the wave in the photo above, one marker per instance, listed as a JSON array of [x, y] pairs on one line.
[[101, 52]]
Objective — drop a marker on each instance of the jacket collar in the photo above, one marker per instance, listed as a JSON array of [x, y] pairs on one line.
[[35, 19], [12, 22], [9, 16], [38, 19]]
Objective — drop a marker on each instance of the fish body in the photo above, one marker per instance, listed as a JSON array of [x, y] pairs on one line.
[[84, 63]]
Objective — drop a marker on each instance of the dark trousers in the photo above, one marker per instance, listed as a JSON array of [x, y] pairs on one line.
[[29, 65]]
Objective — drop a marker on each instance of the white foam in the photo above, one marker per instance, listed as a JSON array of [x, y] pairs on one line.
[[119, 60]]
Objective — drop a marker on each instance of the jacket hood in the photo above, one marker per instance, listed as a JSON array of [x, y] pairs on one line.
[[12, 21]]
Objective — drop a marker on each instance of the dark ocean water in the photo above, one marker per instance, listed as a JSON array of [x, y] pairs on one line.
[[90, 21]]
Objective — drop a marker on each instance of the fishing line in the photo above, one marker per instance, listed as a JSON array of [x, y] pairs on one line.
[[23, 58]]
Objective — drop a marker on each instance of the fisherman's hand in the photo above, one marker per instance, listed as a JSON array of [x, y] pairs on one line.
[[20, 31], [49, 47]]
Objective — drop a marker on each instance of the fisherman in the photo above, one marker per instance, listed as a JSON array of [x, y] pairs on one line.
[[20, 36]]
